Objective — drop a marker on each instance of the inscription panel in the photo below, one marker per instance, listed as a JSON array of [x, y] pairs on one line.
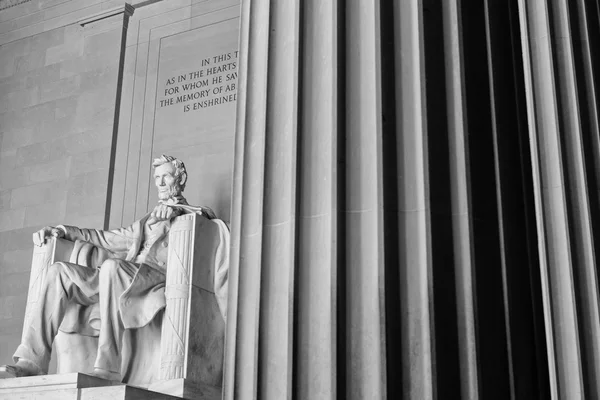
[[195, 109], [179, 98]]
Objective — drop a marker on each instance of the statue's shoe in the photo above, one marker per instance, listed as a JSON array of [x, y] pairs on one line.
[[19, 370], [108, 375]]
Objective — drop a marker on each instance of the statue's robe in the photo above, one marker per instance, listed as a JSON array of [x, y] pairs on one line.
[[145, 297]]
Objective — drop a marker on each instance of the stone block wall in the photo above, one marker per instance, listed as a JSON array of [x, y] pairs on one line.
[[81, 83], [58, 84]]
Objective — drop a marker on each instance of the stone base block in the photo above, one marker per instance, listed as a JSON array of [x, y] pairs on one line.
[[72, 387], [51, 382], [184, 388]]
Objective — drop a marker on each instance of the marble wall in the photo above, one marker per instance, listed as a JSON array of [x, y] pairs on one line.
[[81, 85], [180, 60], [57, 107]]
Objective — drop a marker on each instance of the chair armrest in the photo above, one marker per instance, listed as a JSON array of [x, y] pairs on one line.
[[193, 327], [43, 256]]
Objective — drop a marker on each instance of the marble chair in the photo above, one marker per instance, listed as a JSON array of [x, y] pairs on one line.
[[181, 351]]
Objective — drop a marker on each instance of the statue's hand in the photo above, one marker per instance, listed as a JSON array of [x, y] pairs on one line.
[[163, 212], [39, 238]]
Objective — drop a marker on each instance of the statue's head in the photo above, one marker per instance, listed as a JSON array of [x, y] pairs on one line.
[[170, 176]]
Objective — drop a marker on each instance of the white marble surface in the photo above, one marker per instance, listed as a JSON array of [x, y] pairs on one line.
[[9, 3], [61, 381], [72, 387], [187, 389]]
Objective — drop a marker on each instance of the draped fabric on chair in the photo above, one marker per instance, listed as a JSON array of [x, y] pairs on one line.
[[416, 205]]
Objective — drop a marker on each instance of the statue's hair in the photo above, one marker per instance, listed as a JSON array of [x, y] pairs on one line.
[[180, 171]]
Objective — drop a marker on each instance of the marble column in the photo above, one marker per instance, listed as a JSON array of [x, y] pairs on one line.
[[557, 69], [415, 201]]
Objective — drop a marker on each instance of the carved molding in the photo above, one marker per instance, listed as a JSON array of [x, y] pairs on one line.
[[9, 3], [126, 9]]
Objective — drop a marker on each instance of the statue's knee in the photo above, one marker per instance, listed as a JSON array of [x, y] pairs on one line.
[[110, 267], [54, 272]]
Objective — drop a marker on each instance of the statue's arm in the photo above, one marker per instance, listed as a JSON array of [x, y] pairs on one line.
[[117, 241]]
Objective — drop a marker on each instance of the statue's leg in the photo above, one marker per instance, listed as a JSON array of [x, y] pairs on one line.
[[64, 283], [115, 277]]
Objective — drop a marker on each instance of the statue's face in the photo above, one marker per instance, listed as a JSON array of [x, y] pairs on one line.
[[166, 182]]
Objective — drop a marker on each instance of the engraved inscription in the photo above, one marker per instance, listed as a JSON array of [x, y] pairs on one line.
[[214, 83]]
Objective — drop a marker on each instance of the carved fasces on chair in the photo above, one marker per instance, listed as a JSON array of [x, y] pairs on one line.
[[43, 256], [193, 327]]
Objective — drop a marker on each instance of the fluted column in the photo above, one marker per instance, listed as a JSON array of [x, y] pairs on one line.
[[240, 380], [565, 238], [300, 291], [460, 200], [316, 322], [364, 261], [410, 159], [415, 201]]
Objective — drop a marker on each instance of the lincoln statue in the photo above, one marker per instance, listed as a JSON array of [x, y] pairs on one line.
[[128, 286]]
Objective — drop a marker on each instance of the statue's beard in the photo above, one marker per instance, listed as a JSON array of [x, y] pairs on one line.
[[169, 194]]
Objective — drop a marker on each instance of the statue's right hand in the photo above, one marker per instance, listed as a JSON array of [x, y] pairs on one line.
[[39, 238]]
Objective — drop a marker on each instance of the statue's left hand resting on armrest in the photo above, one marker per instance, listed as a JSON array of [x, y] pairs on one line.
[[122, 285], [39, 238]]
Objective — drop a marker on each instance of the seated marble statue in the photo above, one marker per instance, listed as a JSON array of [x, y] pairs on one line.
[[128, 286]]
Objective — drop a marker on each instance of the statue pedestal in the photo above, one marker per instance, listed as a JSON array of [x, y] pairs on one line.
[[187, 389], [73, 386]]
